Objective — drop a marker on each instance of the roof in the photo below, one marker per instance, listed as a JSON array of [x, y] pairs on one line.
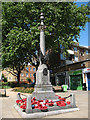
[[83, 46], [80, 62]]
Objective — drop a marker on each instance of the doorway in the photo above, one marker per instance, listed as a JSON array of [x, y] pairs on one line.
[[88, 78]]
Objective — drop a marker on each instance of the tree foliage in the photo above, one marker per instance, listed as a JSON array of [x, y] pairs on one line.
[[20, 22]]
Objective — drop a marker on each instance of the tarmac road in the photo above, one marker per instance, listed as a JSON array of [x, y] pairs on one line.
[[8, 111]]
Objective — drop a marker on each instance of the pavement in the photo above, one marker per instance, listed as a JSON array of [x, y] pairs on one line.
[[7, 109]]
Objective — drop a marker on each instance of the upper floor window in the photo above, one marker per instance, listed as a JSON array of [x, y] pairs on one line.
[[27, 68], [76, 58], [30, 69], [82, 54], [75, 49], [30, 75], [26, 74], [33, 69], [87, 52], [22, 74]]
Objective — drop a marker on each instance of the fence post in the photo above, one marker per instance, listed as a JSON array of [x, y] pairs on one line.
[[28, 105], [72, 99]]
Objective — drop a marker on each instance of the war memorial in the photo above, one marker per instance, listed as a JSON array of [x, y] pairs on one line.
[[43, 101]]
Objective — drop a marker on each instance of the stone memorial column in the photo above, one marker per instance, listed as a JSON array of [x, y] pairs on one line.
[[42, 36], [43, 88]]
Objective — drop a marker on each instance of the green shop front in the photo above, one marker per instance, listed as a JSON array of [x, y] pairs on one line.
[[75, 80]]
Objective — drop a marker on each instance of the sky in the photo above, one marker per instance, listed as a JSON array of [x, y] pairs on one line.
[[84, 38]]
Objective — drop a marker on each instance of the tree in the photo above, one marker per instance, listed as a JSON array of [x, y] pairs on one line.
[[4, 78], [20, 22], [29, 80], [15, 53]]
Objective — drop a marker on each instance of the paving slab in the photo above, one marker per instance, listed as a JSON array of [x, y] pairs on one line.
[[8, 110], [43, 114]]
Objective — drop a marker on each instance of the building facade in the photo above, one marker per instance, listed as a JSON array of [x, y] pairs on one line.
[[27, 72], [78, 53], [72, 72]]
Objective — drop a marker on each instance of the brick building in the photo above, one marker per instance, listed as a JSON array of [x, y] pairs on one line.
[[75, 68], [78, 53], [27, 72]]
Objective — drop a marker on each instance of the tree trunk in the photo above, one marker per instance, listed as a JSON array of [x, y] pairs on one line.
[[18, 77]]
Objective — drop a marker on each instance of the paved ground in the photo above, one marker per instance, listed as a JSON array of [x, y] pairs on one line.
[[7, 110]]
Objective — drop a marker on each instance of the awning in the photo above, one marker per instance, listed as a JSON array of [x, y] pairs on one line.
[[70, 52]]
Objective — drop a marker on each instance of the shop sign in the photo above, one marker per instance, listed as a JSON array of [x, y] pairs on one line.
[[75, 72], [86, 70]]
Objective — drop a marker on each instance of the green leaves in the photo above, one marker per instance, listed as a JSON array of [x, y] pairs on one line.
[[20, 22]]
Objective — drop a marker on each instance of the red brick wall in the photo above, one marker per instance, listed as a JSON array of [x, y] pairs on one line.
[[30, 71]]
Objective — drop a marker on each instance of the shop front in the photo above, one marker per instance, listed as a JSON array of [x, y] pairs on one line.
[[75, 80], [60, 78], [86, 78]]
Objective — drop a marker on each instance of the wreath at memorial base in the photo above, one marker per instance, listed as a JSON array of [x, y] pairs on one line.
[[42, 104]]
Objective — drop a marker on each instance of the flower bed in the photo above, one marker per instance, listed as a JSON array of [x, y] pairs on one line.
[[42, 104], [24, 90]]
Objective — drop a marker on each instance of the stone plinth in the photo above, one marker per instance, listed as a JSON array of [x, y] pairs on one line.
[[43, 88]]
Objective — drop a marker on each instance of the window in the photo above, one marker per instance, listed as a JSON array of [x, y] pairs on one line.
[[87, 52], [75, 49], [27, 68], [33, 75], [33, 69], [76, 58], [30, 75], [82, 54], [30, 69], [26, 74], [22, 74]]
